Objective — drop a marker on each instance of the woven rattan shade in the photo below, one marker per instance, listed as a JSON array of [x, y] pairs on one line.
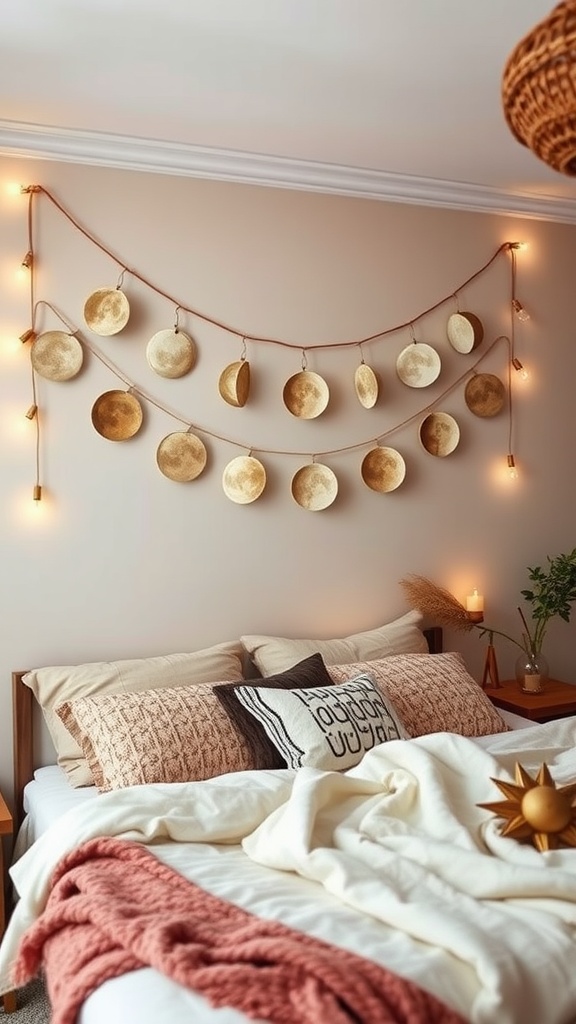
[[539, 89]]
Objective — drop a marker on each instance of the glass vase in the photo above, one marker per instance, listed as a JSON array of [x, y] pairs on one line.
[[531, 672]]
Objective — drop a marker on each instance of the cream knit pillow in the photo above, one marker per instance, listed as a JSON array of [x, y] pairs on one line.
[[431, 693], [56, 684]]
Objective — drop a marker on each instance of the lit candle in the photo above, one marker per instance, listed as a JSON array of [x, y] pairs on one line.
[[475, 606], [475, 602]]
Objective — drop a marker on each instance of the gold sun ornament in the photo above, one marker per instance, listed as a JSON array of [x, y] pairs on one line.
[[536, 809]]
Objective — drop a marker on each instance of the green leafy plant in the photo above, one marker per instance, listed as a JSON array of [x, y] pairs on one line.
[[552, 594]]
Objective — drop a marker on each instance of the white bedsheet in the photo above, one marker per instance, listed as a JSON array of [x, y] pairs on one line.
[[46, 798], [392, 859], [49, 795]]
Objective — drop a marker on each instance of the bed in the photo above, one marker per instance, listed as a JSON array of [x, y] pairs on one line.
[[379, 889]]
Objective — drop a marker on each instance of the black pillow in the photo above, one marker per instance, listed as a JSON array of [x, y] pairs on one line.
[[307, 673]]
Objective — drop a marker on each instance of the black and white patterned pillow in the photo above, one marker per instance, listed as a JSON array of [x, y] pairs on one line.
[[326, 727]]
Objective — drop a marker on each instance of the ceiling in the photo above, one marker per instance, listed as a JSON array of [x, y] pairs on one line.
[[392, 99]]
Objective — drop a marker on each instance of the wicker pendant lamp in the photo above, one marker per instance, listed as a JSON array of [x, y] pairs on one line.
[[539, 89]]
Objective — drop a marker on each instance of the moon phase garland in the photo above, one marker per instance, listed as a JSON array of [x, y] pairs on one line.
[[181, 456]]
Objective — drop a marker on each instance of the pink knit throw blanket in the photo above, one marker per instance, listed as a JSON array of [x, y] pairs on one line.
[[114, 907]]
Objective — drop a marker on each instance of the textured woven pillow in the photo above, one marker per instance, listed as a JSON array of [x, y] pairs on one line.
[[174, 734], [307, 673], [431, 693], [59, 683], [326, 727], [402, 636]]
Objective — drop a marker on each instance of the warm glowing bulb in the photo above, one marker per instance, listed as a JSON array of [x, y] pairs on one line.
[[13, 188], [521, 369], [25, 267], [10, 348], [512, 469], [521, 313]]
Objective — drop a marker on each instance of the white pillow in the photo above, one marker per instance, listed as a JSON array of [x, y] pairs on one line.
[[326, 727], [273, 654], [58, 683]]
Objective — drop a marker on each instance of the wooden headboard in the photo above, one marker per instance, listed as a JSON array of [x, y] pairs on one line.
[[23, 726], [23, 740]]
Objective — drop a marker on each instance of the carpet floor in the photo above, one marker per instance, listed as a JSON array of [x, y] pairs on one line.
[[32, 1007]]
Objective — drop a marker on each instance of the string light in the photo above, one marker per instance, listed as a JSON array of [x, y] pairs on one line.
[[512, 468], [520, 368], [521, 313], [28, 264]]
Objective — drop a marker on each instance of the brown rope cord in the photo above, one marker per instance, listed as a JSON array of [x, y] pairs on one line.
[[241, 333], [512, 297], [65, 321], [512, 343], [32, 271]]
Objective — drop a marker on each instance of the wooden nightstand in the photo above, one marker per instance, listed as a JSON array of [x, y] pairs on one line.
[[6, 829], [557, 700]]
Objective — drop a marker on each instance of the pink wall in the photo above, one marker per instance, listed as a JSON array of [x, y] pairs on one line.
[[119, 561]]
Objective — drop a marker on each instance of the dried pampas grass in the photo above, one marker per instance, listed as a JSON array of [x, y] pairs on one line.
[[436, 602]]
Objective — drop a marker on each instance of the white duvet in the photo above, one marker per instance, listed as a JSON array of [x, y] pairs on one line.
[[392, 859]]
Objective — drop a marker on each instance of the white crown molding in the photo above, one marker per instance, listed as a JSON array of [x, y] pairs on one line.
[[136, 154]]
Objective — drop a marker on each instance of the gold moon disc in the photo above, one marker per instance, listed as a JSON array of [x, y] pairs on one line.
[[465, 331], [314, 487], [171, 353], [484, 394], [366, 385], [383, 469], [418, 365], [244, 479], [106, 311], [439, 434], [234, 383], [57, 355], [117, 415], [306, 395], [181, 456]]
